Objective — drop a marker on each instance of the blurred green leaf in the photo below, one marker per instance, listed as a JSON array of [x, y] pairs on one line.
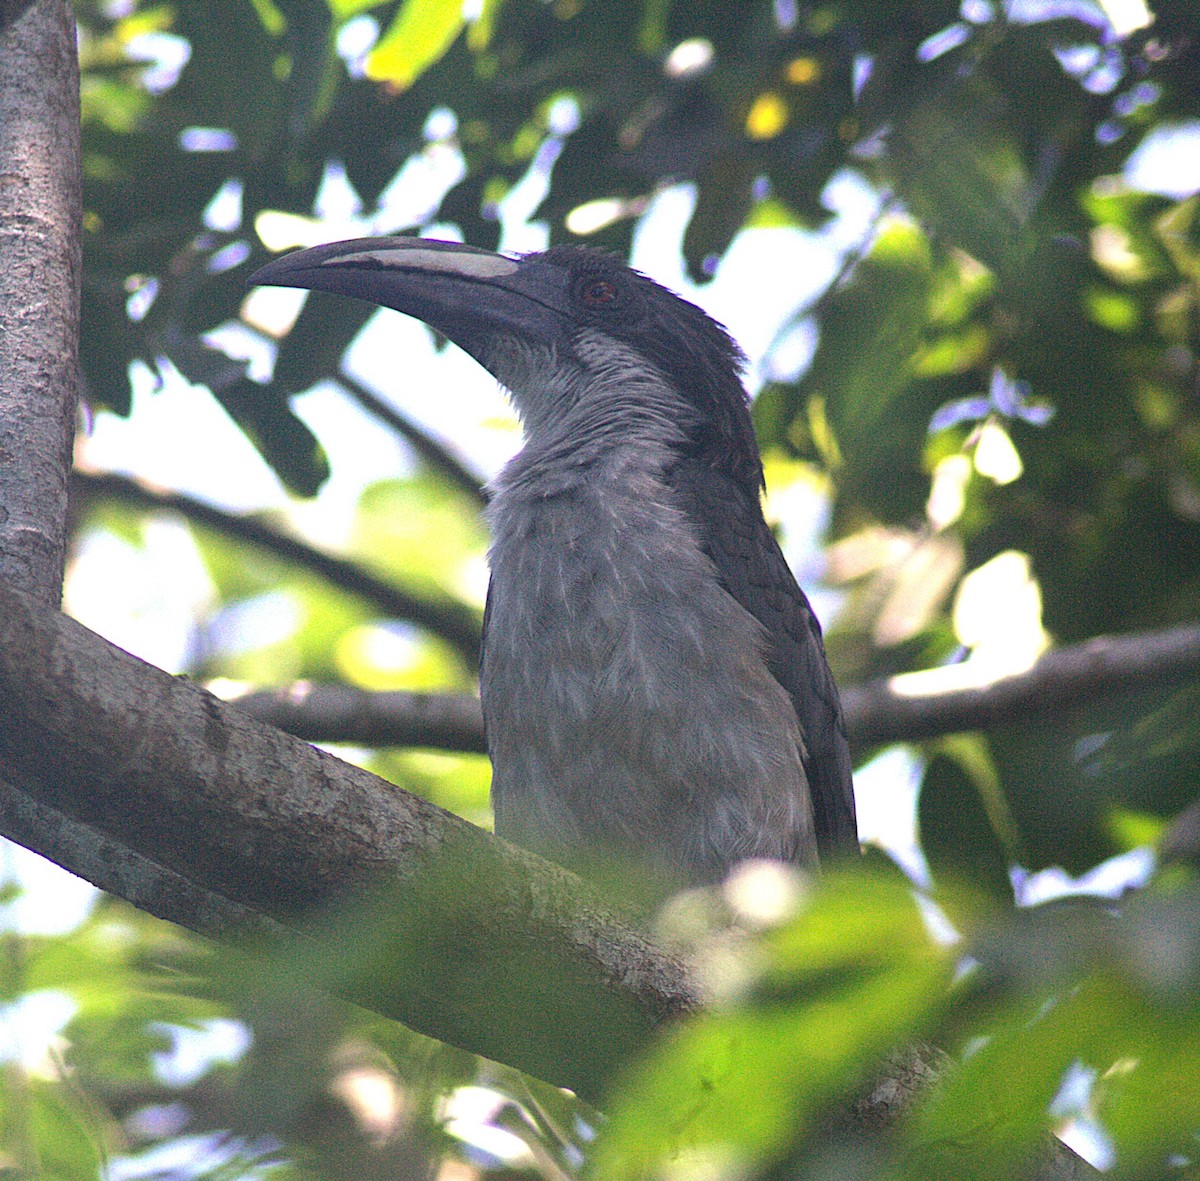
[[990, 1116], [344, 9], [313, 348], [722, 207], [61, 1131], [418, 36], [458, 783], [1146, 1093], [1067, 782], [1116, 995], [413, 527], [855, 975], [113, 346], [962, 174], [283, 438]]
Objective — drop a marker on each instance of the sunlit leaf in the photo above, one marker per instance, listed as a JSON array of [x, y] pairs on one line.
[[459, 783], [418, 36]]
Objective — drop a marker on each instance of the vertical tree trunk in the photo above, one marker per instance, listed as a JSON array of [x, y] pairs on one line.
[[39, 288]]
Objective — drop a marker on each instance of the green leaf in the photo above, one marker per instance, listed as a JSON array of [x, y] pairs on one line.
[[871, 330], [458, 783], [962, 174], [313, 349], [990, 1116], [855, 975], [723, 203], [63, 1129], [1067, 781], [344, 9], [416, 529], [108, 346], [862, 376], [418, 36], [965, 828], [1179, 231], [282, 437]]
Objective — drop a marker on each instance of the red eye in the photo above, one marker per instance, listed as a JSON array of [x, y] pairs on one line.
[[599, 292]]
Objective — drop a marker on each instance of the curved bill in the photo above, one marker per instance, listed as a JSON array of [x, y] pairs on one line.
[[468, 294]]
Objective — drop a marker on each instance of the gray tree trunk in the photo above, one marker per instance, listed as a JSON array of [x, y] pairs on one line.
[[39, 288]]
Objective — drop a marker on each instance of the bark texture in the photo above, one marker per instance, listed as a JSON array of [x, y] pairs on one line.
[[39, 287]]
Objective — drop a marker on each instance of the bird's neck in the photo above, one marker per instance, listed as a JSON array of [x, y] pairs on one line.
[[579, 413]]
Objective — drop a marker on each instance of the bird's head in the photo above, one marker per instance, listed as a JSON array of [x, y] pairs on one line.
[[555, 328]]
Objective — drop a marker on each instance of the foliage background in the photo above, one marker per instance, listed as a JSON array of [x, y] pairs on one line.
[[997, 382]]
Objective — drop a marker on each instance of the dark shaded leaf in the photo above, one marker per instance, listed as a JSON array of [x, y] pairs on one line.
[[284, 440], [1067, 783], [956, 832]]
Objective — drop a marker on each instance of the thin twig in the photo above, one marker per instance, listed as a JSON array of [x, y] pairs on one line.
[[431, 450], [456, 623]]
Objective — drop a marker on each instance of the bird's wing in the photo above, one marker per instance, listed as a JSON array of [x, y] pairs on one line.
[[753, 570], [487, 618]]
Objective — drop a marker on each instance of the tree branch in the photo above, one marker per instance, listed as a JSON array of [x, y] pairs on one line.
[[342, 713], [875, 712], [459, 625], [117, 770], [431, 450]]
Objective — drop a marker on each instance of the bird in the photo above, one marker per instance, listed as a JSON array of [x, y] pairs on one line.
[[654, 683]]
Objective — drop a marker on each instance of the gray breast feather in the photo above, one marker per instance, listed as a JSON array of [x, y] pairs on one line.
[[628, 702]]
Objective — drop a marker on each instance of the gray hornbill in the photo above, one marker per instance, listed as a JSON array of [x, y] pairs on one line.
[[654, 682]]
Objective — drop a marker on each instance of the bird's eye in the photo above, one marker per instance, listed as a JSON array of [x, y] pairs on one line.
[[599, 293]]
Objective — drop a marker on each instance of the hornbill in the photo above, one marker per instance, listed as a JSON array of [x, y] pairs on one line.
[[654, 682]]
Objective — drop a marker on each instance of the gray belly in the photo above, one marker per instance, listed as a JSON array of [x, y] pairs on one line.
[[629, 710]]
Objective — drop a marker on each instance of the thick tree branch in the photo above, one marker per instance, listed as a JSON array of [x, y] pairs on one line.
[[875, 712], [433, 452], [39, 288], [457, 624], [156, 791], [119, 771]]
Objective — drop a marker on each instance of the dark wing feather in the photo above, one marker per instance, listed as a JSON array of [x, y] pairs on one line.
[[753, 570]]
